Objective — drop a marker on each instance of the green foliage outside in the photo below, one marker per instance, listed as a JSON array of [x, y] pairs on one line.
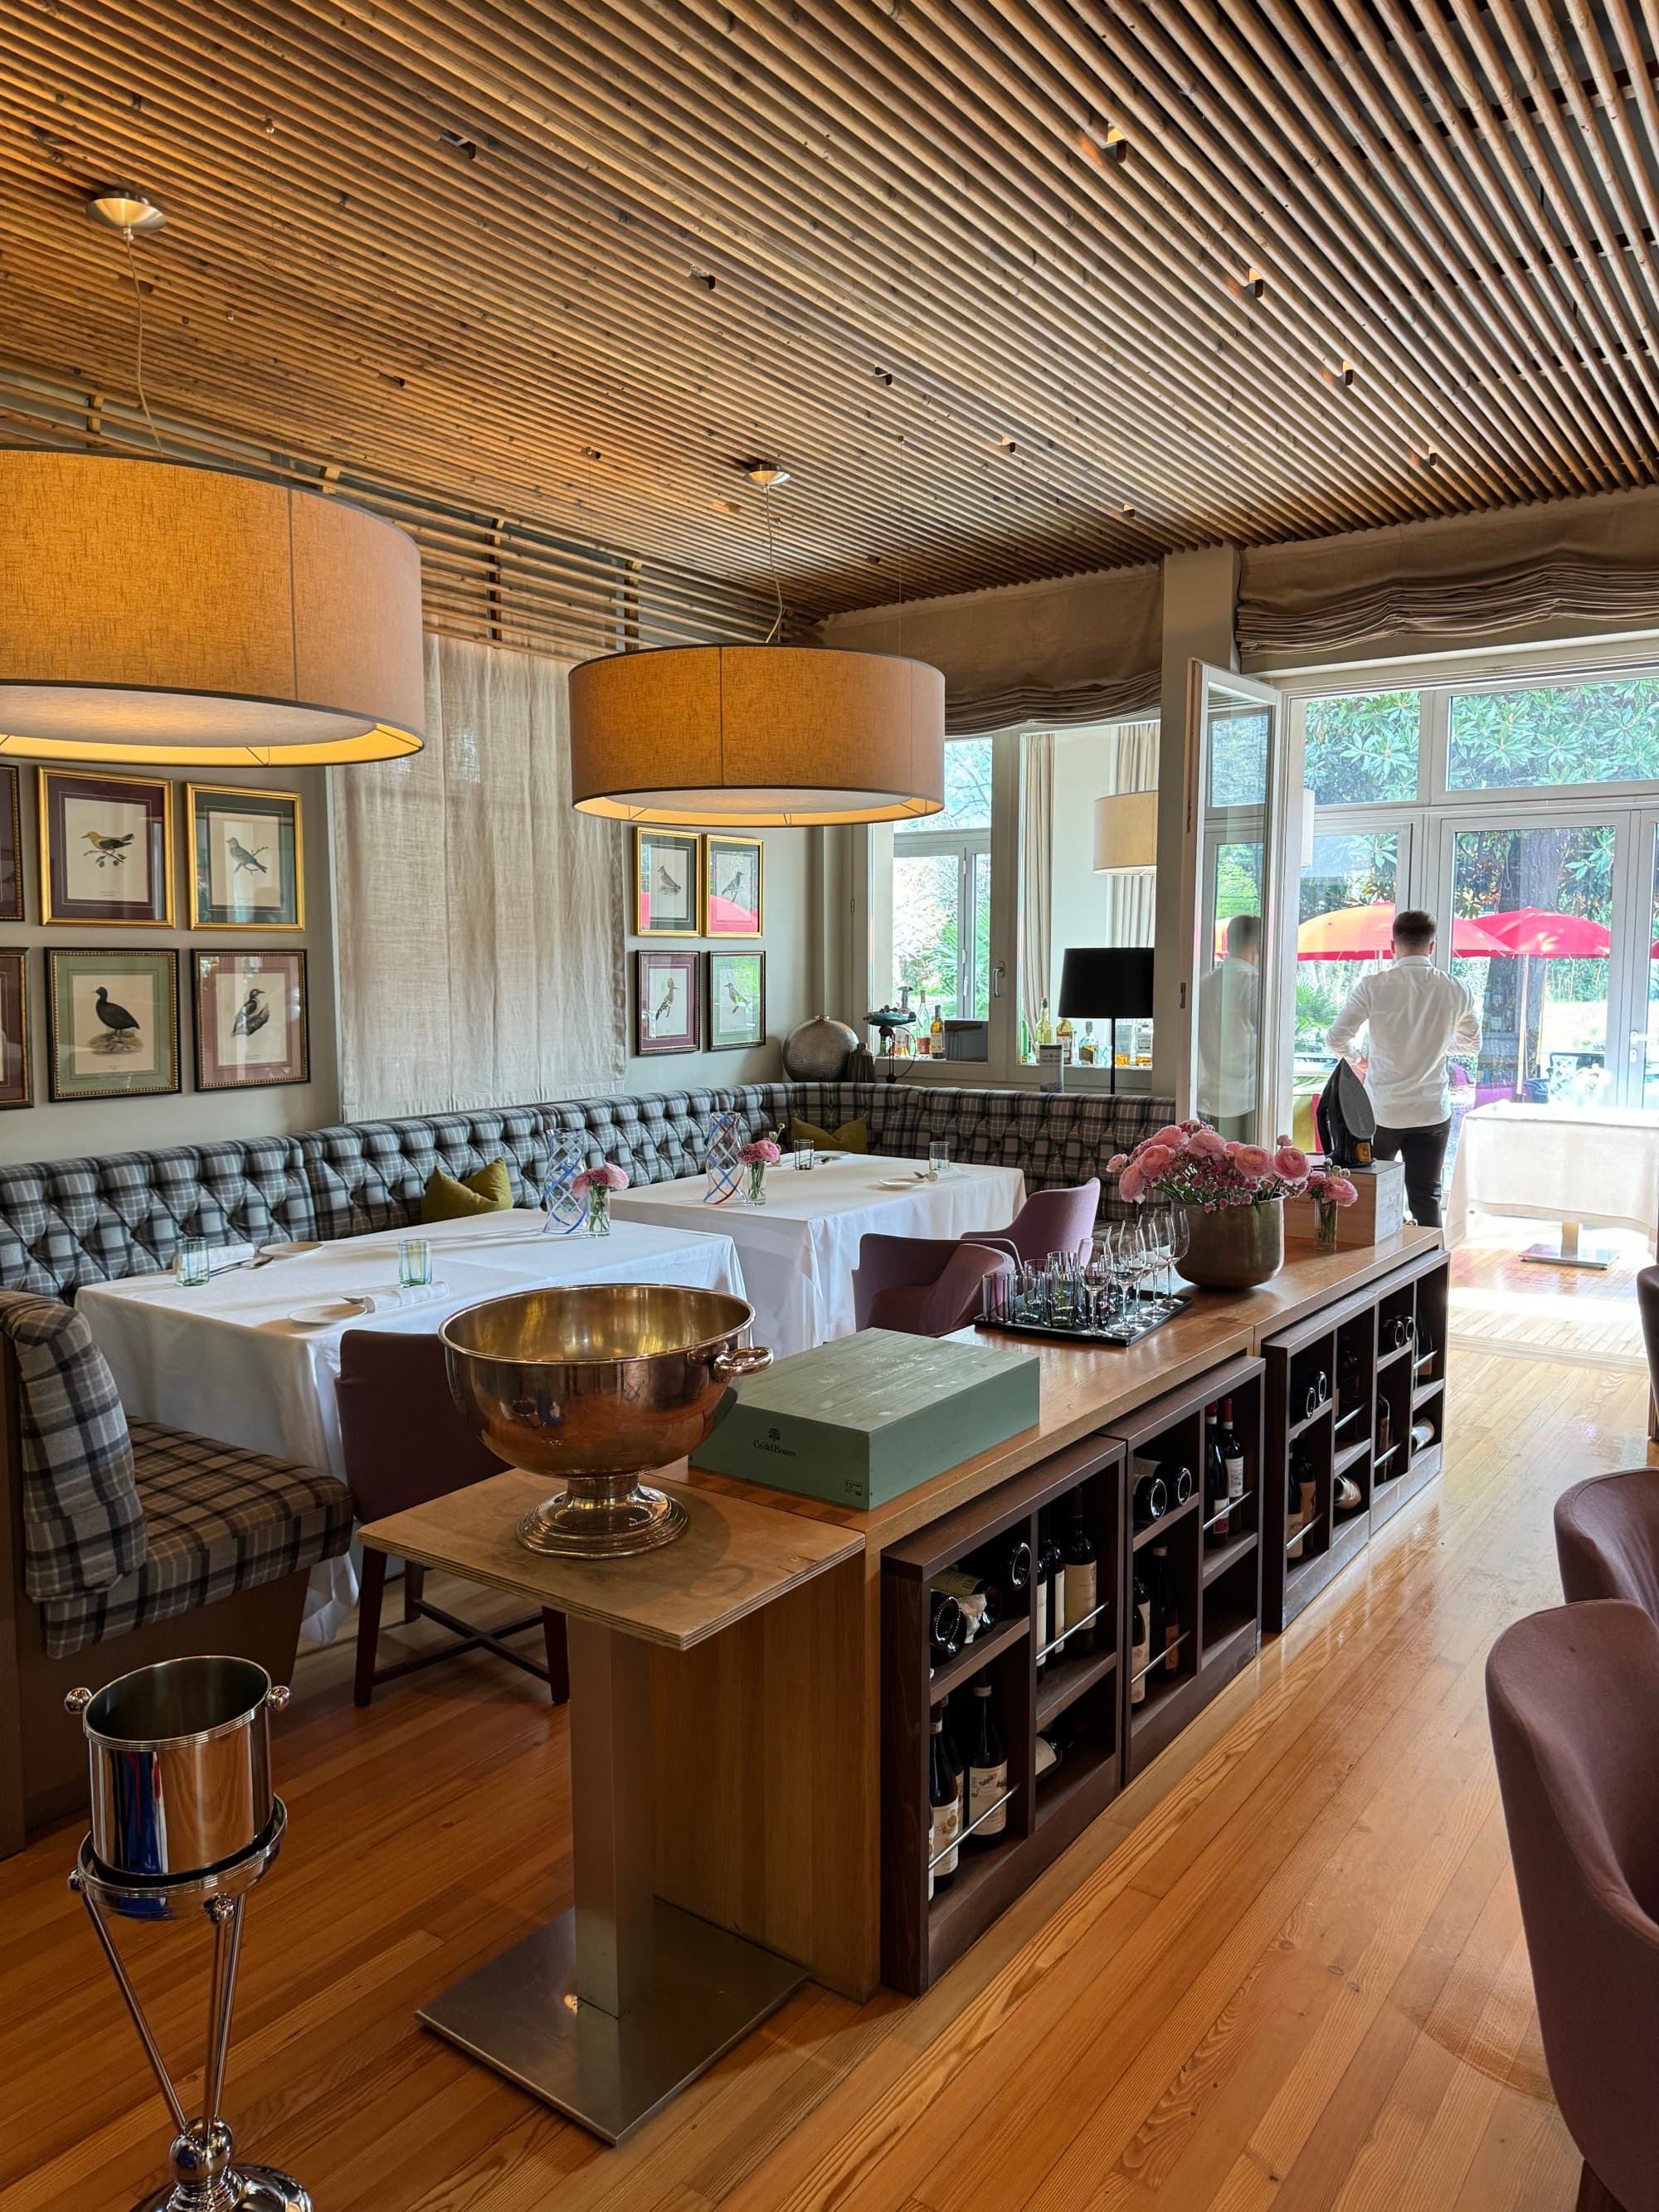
[[1581, 734], [1360, 752]]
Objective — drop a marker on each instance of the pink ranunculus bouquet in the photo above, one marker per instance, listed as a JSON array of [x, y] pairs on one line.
[[762, 1153], [606, 1176], [1329, 1188], [1191, 1164]]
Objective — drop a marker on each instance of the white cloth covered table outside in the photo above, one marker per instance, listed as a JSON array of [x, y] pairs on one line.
[[1595, 1164]]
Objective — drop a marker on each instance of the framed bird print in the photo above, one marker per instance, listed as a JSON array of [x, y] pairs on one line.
[[664, 1002], [15, 1087], [732, 873], [737, 999], [105, 849], [113, 1020], [247, 860], [667, 882], [251, 1020]]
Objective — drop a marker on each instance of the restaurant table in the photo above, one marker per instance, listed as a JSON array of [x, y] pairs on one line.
[[608, 2011], [223, 1359], [799, 1250], [1580, 1165]]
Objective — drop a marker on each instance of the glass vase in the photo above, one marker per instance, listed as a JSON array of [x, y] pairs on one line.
[[725, 1167], [755, 1193], [599, 1210], [565, 1208], [1326, 1210]]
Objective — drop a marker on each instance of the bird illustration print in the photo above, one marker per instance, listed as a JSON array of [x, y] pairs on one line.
[[666, 1004], [252, 1015], [737, 1002], [120, 1029], [245, 863], [107, 852]]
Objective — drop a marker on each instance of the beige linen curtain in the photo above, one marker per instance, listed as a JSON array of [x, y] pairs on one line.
[[1036, 872], [1132, 899], [479, 919]]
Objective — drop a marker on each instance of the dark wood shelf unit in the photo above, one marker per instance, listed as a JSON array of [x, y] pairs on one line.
[[920, 1936], [1218, 1587], [1303, 1427], [1417, 1290]]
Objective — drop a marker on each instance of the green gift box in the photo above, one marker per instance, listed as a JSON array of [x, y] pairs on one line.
[[864, 1419]]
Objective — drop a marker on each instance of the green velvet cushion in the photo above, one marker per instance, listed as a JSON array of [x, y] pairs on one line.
[[851, 1137], [490, 1191]]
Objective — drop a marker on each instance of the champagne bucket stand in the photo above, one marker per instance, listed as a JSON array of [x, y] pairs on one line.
[[180, 1767]]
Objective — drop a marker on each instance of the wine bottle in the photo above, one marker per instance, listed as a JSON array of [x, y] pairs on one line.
[[1058, 1594], [945, 1818], [1293, 1514], [936, 1037], [1043, 1576], [1350, 1381], [1384, 1429], [1217, 1528], [947, 1630], [988, 1772], [1232, 1459], [1005, 1561], [980, 1601], [957, 1763], [1346, 1495], [1049, 1755], [1166, 1613], [1082, 1582], [1140, 1640], [1180, 1483], [1151, 1493], [1422, 1436], [1307, 1483]]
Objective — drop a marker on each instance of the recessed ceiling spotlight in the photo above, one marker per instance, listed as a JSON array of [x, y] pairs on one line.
[[1006, 445], [769, 475], [1117, 145], [123, 207], [1345, 373], [882, 375], [1127, 511], [1255, 284]]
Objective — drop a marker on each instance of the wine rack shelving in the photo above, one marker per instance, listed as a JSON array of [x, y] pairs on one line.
[[1350, 1343]]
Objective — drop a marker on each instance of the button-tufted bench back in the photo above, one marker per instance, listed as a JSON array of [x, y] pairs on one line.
[[63, 1223]]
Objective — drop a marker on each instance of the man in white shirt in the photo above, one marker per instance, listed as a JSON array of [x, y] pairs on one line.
[[1416, 1014], [1230, 1030]]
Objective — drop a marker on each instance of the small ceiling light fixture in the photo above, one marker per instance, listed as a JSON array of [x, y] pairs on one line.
[[1117, 144], [1255, 284], [1346, 375], [123, 207], [757, 736]]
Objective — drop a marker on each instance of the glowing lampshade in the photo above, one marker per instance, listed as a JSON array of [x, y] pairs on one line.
[[757, 736], [1126, 832], [157, 613]]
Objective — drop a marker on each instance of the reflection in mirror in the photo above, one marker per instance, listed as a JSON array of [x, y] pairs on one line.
[[1238, 734]]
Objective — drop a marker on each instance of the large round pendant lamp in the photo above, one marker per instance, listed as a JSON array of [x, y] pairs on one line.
[[151, 612], [757, 736]]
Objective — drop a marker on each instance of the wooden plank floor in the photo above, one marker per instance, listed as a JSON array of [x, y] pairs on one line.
[[1297, 1981]]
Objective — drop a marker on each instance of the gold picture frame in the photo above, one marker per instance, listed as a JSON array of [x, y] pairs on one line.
[[281, 808], [651, 843], [60, 902], [731, 920]]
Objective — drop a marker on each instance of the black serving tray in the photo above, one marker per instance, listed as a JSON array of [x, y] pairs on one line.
[[1117, 1337]]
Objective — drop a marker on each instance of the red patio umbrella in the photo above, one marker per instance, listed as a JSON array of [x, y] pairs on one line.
[[1366, 932], [1542, 935]]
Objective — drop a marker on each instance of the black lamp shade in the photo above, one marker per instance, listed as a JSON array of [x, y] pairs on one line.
[[1106, 983]]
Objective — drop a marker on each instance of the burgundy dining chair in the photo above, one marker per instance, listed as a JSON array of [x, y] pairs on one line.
[[921, 1285], [1572, 1696], [1050, 1221], [406, 1444], [1607, 1539]]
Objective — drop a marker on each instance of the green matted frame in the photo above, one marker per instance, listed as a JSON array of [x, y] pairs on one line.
[[159, 966]]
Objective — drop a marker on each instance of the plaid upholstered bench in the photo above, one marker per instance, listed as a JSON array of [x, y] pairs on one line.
[[126, 1544]]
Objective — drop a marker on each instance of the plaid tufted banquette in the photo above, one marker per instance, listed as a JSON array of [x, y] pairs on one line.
[[63, 1223]]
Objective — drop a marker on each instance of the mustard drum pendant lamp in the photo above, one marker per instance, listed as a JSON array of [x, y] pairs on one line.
[[155, 612], [757, 736]]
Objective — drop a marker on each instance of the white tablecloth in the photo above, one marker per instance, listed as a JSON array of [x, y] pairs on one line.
[[799, 1249], [224, 1361], [1595, 1164]]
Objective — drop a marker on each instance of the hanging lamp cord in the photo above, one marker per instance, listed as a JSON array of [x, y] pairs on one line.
[[772, 635], [138, 361]]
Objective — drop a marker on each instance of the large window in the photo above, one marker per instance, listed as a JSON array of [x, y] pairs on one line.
[[1554, 734], [1363, 751], [941, 922]]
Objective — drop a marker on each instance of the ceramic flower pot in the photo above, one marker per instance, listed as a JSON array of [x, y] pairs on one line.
[[1236, 1247]]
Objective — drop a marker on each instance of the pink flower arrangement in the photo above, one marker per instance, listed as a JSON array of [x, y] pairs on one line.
[[1188, 1163], [606, 1176], [762, 1153]]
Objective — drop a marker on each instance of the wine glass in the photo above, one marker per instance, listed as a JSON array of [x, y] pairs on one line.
[[1180, 1238]]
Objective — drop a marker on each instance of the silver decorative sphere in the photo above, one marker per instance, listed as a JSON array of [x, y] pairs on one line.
[[818, 1051]]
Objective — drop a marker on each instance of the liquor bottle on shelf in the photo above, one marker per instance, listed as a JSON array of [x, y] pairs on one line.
[[1217, 1522], [979, 1602], [1045, 1028], [1151, 1493], [936, 1037], [1082, 1580], [988, 1772], [947, 1630], [1059, 1594], [1064, 1035], [1140, 1639], [1042, 1575], [1086, 1050], [1294, 1515], [1232, 1458], [1166, 1615], [945, 1819]]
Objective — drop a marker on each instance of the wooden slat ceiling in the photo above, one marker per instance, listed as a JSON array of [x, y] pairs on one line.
[[1015, 290]]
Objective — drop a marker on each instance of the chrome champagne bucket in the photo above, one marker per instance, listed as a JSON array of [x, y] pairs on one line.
[[599, 1382], [180, 1765]]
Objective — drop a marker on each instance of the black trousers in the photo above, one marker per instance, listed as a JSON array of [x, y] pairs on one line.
[[1424, 1152]]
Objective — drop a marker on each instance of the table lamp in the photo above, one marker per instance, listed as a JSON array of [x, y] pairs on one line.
[[1106, 983]]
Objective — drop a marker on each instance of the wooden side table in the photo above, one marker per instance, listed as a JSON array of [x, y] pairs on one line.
[[612, 2009]]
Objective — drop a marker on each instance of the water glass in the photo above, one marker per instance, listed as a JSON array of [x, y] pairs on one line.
[[190, 1265], [414, 1263], [805, 1156], [939, 1157]]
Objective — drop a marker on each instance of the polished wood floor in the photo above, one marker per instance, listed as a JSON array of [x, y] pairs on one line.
[[1297, 1980]]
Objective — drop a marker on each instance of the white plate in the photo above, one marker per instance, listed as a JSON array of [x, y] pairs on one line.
[[323, 1313], [902, 1182], [293, 1251]]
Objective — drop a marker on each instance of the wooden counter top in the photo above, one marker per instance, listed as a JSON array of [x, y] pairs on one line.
[[1087, 1388], [736, 1556]]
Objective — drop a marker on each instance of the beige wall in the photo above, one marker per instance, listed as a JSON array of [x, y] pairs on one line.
[[789, 940], [82, 1127]]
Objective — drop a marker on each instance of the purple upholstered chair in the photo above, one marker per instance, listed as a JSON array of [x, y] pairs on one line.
[[1573, 1699], [1607, 1539], [921, 1285], [1050, 1221]]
